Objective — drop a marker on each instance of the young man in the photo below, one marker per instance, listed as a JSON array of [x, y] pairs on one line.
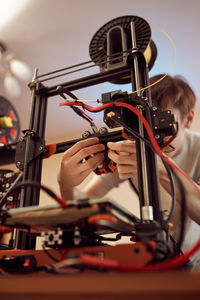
[[172, 93]]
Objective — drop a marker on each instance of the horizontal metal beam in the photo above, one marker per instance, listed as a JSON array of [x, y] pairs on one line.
[[85, 81]]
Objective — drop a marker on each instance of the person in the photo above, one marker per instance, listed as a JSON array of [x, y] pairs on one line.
[[172, 93]]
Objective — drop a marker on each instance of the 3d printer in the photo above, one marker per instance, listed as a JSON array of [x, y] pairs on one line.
[[124, 52]]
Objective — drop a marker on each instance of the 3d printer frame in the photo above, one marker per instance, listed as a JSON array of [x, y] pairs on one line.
[[35, 144]]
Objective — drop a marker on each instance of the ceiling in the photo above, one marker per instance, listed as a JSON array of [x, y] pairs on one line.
[[53, 34]]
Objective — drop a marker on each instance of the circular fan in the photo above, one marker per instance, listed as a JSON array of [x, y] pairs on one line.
[[9, 123], [98, 44]]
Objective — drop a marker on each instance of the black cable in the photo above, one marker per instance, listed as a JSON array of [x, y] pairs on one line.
[[33, 184], [49, 254], [133, 132], [133, 186], [165, 244], [75, 109], [182, 211], [173, 191]]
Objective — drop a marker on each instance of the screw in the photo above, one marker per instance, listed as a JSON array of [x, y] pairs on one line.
[[77, 236], [86, 134], [19, 165], [103, 130], [41, 148]]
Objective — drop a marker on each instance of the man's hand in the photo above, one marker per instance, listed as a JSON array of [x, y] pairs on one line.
[[124, 155], [77, 163]]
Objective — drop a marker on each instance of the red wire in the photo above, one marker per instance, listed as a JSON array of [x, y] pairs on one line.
[[61, 201], [114, 265]]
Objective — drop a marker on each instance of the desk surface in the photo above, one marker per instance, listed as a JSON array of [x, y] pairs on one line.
[[93, 285]]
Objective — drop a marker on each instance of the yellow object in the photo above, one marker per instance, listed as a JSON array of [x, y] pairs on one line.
[[6, 122], [147, 54], [111, 114], [171, 225]]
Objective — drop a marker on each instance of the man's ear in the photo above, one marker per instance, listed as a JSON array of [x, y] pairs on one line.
[[189, 118]]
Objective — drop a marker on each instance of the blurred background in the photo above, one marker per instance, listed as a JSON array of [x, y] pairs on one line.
[[53, 34]]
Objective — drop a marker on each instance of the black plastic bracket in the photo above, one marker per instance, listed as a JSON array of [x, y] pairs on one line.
[[36, 148]]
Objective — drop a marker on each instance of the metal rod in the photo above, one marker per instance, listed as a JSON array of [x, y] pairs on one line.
[[114, 136], [141, 130], [86, 81], [32, 170]]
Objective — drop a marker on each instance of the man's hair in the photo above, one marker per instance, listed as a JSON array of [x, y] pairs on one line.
[[173, 92]]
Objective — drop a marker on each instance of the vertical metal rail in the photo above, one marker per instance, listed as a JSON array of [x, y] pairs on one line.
[[32, 170], [152, 170], [149, 191], [145, 196], [150, 206], [145, 205]]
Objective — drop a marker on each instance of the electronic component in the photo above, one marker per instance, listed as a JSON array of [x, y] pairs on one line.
[[18, 263], [163, 122], [7, 177], [107, 166], [53, 238]]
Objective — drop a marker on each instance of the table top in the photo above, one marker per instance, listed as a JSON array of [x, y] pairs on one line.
[[95, 284], [112, 285]]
